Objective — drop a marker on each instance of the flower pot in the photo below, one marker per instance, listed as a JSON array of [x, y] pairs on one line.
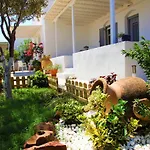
[[127, 89], [45, 62], [53, 72], [146, 102]]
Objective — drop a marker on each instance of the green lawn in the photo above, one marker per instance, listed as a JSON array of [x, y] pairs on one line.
[[19, 116]]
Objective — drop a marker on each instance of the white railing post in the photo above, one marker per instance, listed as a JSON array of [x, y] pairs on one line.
[[73, 29], [112, 21]]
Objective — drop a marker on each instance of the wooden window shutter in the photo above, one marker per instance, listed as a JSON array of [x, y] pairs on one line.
[[116, 32], [101, 36]]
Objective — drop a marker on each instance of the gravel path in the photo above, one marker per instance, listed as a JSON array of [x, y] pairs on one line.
[[75, 139]]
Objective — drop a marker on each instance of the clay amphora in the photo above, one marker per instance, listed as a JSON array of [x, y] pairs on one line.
[[46, 62], [128, 89]]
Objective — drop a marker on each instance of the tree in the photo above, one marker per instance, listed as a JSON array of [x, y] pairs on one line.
[[12, 13], [141, 53]]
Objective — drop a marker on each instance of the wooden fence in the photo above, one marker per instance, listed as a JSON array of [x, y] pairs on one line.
[[78, 89], [53, 82], [22, 82], [19, 82]]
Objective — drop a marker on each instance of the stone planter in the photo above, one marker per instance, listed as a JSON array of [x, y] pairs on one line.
[[127, 89]]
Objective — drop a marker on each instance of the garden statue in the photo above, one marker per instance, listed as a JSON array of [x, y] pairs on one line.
[[128, 89]]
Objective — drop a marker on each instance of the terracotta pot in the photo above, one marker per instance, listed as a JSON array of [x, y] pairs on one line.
[[146, 102], [45, 62], [53, 72], [128, 89], [39, 138]]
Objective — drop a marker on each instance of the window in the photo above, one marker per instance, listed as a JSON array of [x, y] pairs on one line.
[[105, 35], [133, 27]]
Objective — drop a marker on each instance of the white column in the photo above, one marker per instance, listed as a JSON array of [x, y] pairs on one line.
[[112, 21], [73, 29], [56, 40]]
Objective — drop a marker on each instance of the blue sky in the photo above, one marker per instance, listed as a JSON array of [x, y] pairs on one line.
[[2, 39]]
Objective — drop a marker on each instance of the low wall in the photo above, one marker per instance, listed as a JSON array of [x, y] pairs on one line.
[[104, 60], [64, 61]]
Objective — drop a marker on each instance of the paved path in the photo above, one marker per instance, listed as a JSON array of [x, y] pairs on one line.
[[22, 73]]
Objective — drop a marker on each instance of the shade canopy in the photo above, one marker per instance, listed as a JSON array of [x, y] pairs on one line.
[[28, 31], [86, 11]]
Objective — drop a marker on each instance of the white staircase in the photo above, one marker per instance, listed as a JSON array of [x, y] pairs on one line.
[[62, 76]]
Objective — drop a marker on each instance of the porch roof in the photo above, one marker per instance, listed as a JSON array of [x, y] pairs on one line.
[[27, 31], [86, 11]]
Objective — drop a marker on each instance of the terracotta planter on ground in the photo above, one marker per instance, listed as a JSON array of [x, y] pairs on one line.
[[39, 138], [53, 72], [127, 89], [146, 102]]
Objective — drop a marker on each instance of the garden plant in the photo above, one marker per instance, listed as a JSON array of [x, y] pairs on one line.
[[29, 107], [141, 53]]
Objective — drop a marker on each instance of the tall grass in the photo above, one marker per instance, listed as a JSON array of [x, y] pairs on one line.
[[19, 116]]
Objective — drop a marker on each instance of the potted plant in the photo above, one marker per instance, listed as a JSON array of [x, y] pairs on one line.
[[141, 109], [53, 69], [123, 37], [120, 36], [86, 47]]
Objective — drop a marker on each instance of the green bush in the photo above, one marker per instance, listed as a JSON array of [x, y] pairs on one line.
[[70, 111], [28, 108], [141, 53], [16, 55], [36, 65], [108, 131], [39, 79]]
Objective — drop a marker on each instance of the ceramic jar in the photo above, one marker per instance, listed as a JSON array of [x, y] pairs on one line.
[[128, 89]]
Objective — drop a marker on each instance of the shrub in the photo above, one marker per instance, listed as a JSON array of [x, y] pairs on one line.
[[29, 107], [39, 79], [141, 53], [109, 131], [70, 111], [36, 65], [111, 78]]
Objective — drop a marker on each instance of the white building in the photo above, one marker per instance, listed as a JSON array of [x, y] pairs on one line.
[[69, 25]]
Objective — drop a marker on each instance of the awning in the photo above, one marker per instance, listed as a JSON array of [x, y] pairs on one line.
[[86, 11], [28, 31]]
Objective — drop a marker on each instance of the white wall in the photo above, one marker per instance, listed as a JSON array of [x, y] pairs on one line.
[[64, 35], [48, 37], [104, 60], [100, 61], [64, 38], [64, 61], [142, 8], [82, 37]]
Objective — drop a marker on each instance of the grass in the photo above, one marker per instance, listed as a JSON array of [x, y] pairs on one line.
[[19, 116]]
